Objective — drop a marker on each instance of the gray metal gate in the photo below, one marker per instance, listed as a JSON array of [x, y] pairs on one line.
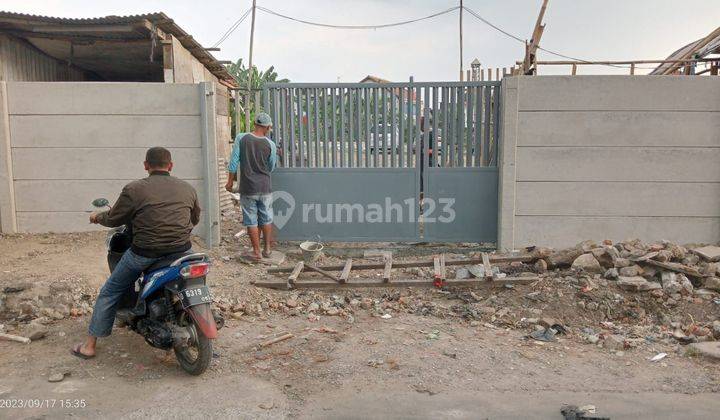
[[386, 161]]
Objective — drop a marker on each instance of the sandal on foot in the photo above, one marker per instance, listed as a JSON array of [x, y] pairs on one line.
[[267, 254], [75, 351]]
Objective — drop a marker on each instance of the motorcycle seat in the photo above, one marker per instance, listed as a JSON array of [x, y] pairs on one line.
[[167, 260]]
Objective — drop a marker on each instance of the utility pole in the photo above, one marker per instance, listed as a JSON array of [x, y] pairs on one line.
[[250, 72], [461, 41]]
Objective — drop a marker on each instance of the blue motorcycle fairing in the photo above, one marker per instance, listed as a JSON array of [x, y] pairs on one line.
[[157, 279]]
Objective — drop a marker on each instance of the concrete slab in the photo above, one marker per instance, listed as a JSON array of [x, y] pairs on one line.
[[710, 253]]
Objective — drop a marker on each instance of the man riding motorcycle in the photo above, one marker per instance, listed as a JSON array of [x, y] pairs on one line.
[[161, 211]]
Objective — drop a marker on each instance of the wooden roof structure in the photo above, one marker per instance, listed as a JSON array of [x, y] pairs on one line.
[[700, 49], [111, 47]]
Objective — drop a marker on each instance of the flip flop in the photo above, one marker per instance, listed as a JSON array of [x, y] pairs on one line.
[[75, 351], [267, 254]]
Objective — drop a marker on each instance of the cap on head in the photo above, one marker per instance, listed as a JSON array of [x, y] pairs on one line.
[[263, 119], [158, 157]]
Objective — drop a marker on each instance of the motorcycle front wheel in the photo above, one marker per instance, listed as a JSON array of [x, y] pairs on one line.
[[194, 358]]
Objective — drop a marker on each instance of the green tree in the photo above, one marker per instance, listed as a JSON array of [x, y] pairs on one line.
[[240, 72]]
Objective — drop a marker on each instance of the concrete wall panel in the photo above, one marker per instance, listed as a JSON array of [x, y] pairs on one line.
[[73, 196], [170, 131], [619, 93], [564, 231], [619, 128], [41, 222], [671, 164], [611, 157], [98, 163], [102, 98], [618, 199]]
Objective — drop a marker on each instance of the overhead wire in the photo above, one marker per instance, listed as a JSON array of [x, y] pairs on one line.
[[232, 28], [517, 38], [237, 23], [381, 26]]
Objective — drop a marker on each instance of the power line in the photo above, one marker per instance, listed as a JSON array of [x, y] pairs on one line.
[[232, 28], [386, 25], [517, 38]]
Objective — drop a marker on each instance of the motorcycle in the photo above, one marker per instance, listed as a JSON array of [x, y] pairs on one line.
[[170, 305]]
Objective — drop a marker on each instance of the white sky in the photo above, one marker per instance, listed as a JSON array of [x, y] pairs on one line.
[[587, 29]]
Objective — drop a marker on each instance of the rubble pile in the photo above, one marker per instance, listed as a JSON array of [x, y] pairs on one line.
[[44, 302]]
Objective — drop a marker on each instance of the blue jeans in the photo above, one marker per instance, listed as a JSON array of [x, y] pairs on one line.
[[127, 271], [256, 209]]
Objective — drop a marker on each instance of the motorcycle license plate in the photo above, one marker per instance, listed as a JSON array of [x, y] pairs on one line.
[[195, 296]]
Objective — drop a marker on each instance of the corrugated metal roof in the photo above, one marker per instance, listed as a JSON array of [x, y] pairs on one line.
[[159, 19]]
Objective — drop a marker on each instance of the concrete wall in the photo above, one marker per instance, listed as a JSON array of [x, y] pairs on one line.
[[20, 61], [69, 143], [610, 157]]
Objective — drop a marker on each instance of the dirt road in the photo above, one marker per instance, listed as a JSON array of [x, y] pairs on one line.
[[408, 366]]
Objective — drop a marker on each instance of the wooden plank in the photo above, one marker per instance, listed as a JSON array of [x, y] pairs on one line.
[[320, 271], [375, 282], [387, 269], [487, 266], [495, 259], [346, 270], [436, 264], [292, 278]]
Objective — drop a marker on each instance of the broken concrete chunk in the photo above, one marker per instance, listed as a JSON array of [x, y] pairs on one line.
[[633, 284], [712, 283], [709, 253], [612, 273], [588, 263], [631, 271]]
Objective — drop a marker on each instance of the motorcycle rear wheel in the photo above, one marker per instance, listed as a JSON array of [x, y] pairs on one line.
[[196, 357]]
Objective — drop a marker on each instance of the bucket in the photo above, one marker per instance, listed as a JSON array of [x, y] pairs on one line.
[[311, 251]]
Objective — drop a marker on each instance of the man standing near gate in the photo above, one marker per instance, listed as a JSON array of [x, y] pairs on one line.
[[253, 158]]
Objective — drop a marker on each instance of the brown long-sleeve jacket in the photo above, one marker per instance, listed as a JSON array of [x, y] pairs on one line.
[[162, 211]]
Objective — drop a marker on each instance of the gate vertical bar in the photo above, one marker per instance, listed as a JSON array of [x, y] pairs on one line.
[[307, 120], [478, 126], [376, 135], [452, 126], [351, 141], [425, 133], [342, 128], [291, 107], [366, 94], [358, 132], [333, 121], [393, 131], [435, 116], [416, 130], [401, 128], [316, 92], [460, 126], [486, 134], [410, 116], [325, 128], [445, 133], [468, 140], [301, 143], [496, 123], [383, 101], [283, 126]]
